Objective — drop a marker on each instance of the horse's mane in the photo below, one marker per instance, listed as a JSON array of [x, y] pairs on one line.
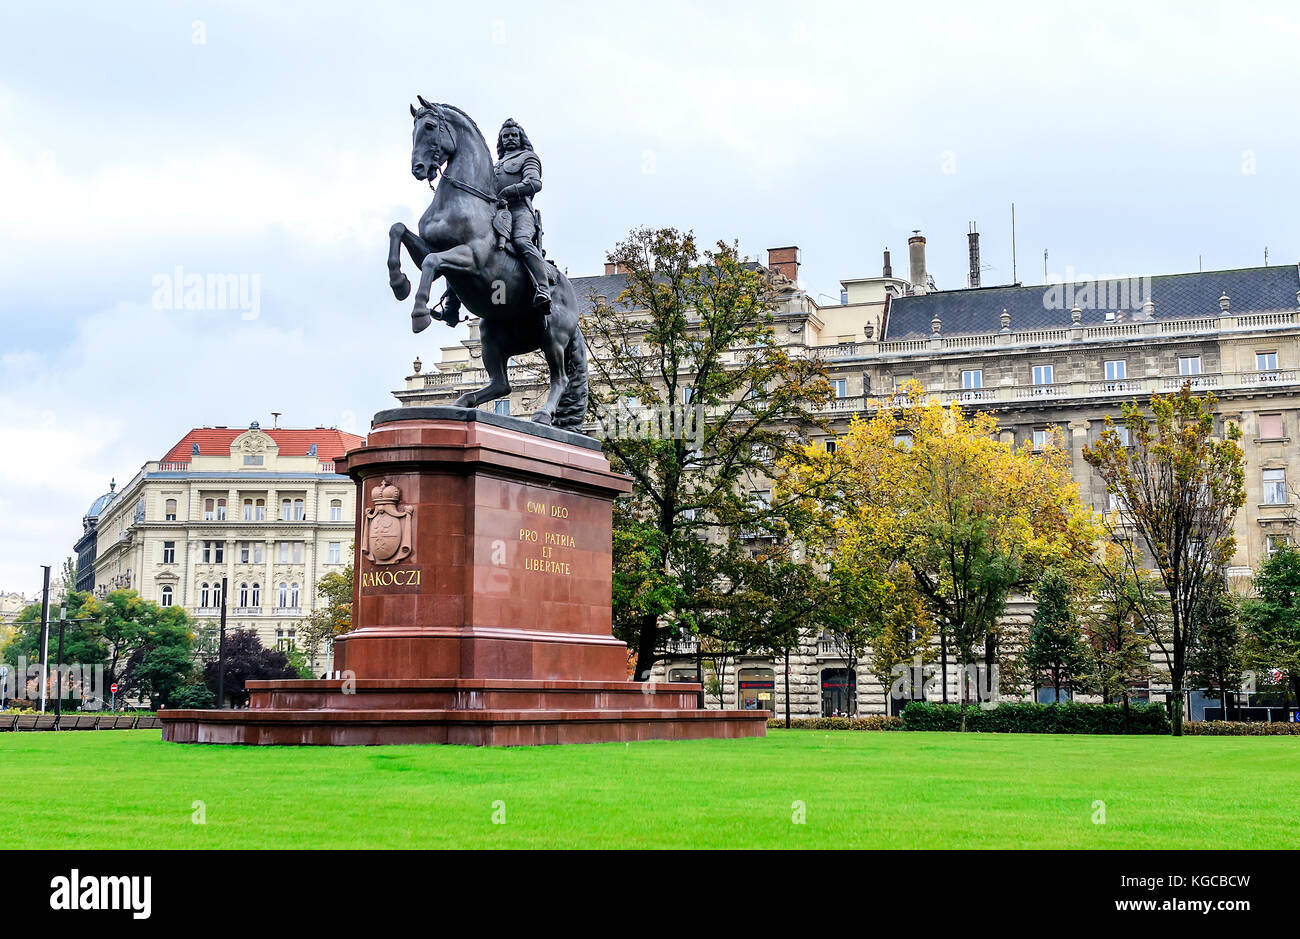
[[452, 107]]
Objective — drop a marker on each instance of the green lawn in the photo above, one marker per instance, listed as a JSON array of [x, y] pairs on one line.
[[127, 789]]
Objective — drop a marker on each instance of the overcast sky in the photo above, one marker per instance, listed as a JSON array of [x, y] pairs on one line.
[[273, 140]]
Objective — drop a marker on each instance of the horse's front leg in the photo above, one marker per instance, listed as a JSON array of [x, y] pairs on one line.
[[459, 258], [416, 247], [553, 349], [494, 361]]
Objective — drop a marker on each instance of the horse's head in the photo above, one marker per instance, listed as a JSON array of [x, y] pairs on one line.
[[432, 141]]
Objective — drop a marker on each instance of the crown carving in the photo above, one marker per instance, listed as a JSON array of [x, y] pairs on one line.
[[385, 494]]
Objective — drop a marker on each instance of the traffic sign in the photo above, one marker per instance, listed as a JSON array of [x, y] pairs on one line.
[[113, 687]]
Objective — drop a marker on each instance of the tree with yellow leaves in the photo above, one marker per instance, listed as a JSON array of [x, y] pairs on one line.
[[931, 503]]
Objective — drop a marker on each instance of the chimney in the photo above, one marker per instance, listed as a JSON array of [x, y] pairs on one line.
[[973, 244], [889, 270], [916, 257], [784, 261], [611, 267]]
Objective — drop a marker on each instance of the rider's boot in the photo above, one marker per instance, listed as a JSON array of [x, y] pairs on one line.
[[450, 308], [536, 267]]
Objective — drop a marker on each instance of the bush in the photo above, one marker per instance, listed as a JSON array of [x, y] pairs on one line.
[[870, 722], [1240, 729], [192, 696], [1030, 718]]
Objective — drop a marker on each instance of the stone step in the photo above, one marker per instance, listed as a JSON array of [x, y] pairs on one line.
[[469, 694], [488, 727]]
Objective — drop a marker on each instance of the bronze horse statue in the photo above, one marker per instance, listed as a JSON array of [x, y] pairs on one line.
[[457, 240]]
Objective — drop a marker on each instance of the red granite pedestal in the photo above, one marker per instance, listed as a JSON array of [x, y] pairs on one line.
[[482, 604]]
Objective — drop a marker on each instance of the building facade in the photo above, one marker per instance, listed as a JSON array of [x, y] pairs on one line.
[[1053, 358], [262, 509], [87, 546]]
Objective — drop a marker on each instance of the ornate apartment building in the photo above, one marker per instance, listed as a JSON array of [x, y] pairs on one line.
[[1040, 357], [263, 509]]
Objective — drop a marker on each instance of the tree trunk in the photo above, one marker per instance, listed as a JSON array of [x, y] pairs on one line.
[[943, 663], [1176, 706], [787, 689]]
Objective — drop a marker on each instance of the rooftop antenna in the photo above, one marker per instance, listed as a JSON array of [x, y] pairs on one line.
[[1266, 255], [1044, 265], [275, 419], [1014, 279]]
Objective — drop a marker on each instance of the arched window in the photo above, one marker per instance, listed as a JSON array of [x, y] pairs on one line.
[[221, 510], [293, 596], [257, 595], [167, 596], [282, 596], [205, 597], [243, 595], [336, 510]]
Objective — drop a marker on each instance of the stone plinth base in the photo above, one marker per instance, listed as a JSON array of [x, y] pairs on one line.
[[481, 606], [475, 712]]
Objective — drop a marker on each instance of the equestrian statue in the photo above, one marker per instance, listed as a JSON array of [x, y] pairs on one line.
[[482, 233]]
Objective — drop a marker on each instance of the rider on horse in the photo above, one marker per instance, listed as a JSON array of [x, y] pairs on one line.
[[519, 177]]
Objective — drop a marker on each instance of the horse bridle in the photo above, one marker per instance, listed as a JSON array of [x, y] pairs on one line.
[[441, 124]]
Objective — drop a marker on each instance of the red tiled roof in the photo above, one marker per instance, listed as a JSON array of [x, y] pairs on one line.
[[213, 441]]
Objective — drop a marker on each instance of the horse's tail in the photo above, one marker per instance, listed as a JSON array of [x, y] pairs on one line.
[[571, 411]]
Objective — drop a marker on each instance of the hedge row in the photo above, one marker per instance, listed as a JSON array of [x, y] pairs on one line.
[[1240, 729], [871, 722], [1030, 718]]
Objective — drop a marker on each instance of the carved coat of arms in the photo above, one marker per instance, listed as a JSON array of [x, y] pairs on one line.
[[386, 535]]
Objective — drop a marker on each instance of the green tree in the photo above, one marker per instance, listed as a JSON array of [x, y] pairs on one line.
[[1055, 651], [329, 620], [145, 648], [1180, 486], [699, 399], [1120, 653], [1218, 658], [1271, 619]]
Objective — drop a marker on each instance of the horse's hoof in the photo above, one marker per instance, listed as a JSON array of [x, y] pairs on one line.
[[464, 401], [420, 321], [401, 286], [541, 417]]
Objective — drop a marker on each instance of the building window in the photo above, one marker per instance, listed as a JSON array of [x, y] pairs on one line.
[[1266, 361], [839, 692], [282, 596], [290, 552], [1189, 365], [1042, 436], [903, 441], [259, 510], [205, 596], [1115, 503], [298, 514], [841, 387], [830, 446], [1116, 370], [1125, 438], [250, 552], [209, 510], [972, 379], [169, 510], [336, 510], [293, 596], [1275, 543], [1275, 487], [1270, 427], [243, 596], [501, 406], [257, 595], [286, 639], [756, 689], [335, 552], [166, 596], [214, 552], [1043, 374], [169, 552], [286, 509]]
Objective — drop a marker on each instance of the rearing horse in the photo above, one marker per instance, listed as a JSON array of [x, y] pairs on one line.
[[456, 240]]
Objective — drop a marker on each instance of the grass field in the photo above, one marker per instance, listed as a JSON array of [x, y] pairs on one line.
[[127, 789]]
